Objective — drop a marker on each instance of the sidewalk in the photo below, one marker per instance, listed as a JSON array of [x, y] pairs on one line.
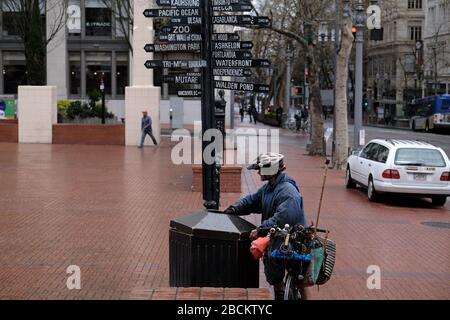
[[107, 210]]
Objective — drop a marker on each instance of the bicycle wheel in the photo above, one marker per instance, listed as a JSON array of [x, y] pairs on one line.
[[291, 291]]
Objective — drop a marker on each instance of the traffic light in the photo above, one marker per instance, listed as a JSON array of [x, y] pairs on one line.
[[354, 30], [365, 103], [297, 91]]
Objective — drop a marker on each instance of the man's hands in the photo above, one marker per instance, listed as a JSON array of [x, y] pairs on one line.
[[231, 211], [254, 235]]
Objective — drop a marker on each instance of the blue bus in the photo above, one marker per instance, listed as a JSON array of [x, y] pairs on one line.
[[430, 113]]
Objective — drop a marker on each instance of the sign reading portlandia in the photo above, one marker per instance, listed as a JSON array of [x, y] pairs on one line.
[[232, 55], [241, 86], [185, 64]]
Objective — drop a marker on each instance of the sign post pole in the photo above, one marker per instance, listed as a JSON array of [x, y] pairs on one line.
[[211, 179]]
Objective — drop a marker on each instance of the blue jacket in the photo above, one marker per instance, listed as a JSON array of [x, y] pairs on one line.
[[147, 123], [279, 204]]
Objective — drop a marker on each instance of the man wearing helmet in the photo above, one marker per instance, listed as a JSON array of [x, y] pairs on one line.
[[280, 203]]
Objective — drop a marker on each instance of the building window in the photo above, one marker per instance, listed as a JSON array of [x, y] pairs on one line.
[[414, 4], [75, 73], [9, 26], [14, 71], [98, 18], [122, 73], [74, 18], [98, 66], [415, 33]]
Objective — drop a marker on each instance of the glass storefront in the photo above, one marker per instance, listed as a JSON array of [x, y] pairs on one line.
[[75, 73], [14, 71], [98, 67], [122, 73]]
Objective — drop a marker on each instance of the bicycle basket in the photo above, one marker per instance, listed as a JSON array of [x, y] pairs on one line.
[[328, 263], [322, 262]]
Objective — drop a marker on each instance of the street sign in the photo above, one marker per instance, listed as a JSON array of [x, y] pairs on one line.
[[182, 79], [182, 29], [229, 72], [241, 86], [189, 93], [225, 37], [232, 55], [189, 37], [172, 13], [241, 20], [233, 8], [186, 64], [232, 45], [216, 3], [247, 63], [173, 47], [179, 3], [189, 21]]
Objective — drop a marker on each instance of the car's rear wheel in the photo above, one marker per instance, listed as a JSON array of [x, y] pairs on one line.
[[439, 200], [349, 183], [371, 192]]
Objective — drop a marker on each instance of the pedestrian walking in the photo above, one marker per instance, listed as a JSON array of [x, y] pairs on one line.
[[255, 114], [147, 129], [242, 113], [250, 114]]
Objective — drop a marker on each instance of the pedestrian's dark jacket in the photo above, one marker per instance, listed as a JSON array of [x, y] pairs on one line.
[[279, 204], [147, 124]]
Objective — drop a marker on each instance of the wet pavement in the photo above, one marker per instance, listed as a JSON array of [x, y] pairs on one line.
[[107, 210]]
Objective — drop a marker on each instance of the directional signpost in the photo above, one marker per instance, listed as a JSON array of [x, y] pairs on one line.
[[191, 29]]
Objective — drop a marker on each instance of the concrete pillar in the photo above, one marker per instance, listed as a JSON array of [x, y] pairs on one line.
[[143, 33], [57, 48], [142, 95], [37, 112]]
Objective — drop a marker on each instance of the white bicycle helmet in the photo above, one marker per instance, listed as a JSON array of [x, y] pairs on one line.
[[269, 163]]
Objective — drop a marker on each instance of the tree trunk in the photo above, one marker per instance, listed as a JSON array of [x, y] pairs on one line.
[[35, 51], [317, 144], [341, 147]]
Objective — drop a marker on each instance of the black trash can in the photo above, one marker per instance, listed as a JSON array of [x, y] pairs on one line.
[[212, 250]]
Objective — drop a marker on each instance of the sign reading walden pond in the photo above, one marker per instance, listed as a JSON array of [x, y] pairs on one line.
[[190, 29]]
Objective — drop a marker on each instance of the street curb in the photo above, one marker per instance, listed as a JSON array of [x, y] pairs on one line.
[[386, 127]]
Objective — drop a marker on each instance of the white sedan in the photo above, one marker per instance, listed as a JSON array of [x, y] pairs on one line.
[[401, 166]]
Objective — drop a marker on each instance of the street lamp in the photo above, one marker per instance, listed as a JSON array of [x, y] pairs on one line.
[[102, 90], [360, 18]]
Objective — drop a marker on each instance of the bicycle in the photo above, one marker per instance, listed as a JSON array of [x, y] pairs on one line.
[[295, 253]]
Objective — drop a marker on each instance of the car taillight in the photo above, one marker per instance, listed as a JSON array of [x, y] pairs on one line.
[[445, 176], [391, 174]]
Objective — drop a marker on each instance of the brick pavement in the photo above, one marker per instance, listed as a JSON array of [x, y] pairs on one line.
[[107, 210]]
